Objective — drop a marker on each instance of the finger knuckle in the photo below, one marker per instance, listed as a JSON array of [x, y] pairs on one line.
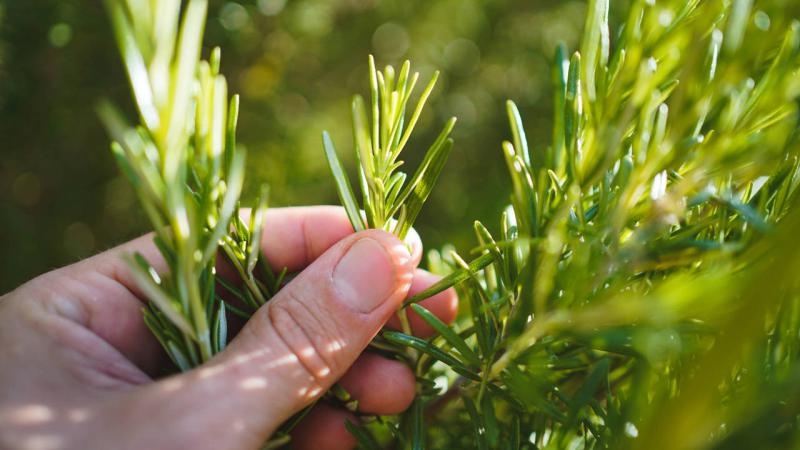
[[313, 340]]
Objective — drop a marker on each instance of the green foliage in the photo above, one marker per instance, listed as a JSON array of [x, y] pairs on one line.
[[639, 290], [646, 250], [388, 201], [188, 173]]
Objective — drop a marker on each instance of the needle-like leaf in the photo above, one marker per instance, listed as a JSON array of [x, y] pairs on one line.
[[342, 184], [429, 349], [452, 279], [448, 334]]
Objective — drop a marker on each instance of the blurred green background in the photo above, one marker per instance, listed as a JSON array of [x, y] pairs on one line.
[[297, 64]]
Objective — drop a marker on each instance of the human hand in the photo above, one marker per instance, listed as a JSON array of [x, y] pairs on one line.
[[78, 366]]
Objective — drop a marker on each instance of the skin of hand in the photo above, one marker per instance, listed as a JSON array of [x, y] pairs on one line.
[[79, 368]]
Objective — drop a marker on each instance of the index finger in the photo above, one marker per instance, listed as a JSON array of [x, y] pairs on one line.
[[294, 237]]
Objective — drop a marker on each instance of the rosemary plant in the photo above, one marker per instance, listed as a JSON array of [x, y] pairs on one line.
[[188, 173], [625, 300], [639, 290]]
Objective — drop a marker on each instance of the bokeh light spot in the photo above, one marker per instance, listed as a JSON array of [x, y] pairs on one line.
[[233, 16], [390, 41], [462, 57], [27, 189], [271, 7], [79, 240], [761, 20], [60, 35]]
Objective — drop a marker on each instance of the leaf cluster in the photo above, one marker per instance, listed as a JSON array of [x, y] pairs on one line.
[[188, 172], [643, 253], [388, 201]]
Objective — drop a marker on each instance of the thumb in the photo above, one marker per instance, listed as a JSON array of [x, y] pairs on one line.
[[303, 340], [321, 321]]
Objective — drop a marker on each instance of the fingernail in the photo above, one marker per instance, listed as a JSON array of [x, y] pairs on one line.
[[365, 276]]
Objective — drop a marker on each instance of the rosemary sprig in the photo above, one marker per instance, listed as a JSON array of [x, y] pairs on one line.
[[388, 201], [188, 173]]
